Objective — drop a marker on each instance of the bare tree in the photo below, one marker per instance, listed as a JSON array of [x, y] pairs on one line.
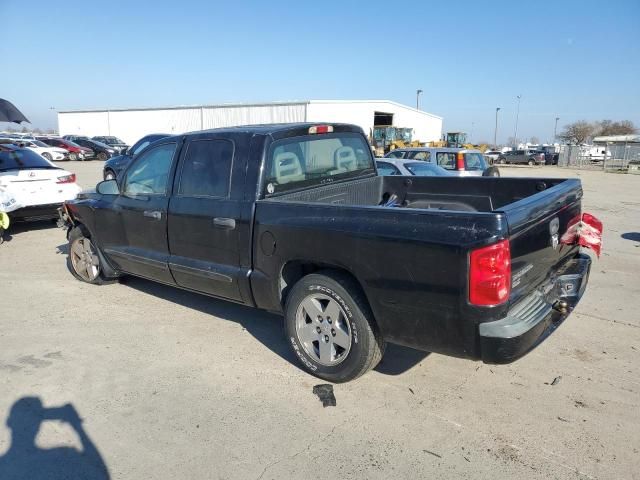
[[608, 127], [513, 141], [534, 140], [577, 132]]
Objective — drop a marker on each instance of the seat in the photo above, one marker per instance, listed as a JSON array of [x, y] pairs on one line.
[[345, 159], [287, 168]]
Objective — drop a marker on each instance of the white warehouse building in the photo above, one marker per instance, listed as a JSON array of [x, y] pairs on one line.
[[132, 124]]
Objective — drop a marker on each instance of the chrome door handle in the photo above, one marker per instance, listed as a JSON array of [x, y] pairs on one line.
[[228, 223], [155, 214]]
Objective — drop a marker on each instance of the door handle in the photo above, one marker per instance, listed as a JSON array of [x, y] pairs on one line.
[[155, 214], [228, 223]]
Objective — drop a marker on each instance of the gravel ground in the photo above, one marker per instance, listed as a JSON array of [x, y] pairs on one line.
[[170, 384]]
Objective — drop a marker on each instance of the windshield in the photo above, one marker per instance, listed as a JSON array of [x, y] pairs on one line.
[[424, 169], [21, 159], [38, 143], [313, 160]]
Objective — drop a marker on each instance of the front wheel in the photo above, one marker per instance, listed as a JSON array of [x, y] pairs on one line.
[[47, 155], [102, 156], [531, 162], [83, 260], [502, 161], [330, 327], [73, 156]]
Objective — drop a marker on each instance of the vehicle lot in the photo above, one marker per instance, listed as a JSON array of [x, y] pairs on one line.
[[172, 384]]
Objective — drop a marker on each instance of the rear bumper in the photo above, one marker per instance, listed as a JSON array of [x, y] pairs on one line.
[[533, 319], [36, 212]]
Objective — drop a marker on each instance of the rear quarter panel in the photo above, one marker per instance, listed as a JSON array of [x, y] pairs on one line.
[[411, 264]]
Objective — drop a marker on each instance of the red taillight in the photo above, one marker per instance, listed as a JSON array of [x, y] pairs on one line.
[[67, 179], [320, 129], [460, 161], [490, 274], [591, 233]]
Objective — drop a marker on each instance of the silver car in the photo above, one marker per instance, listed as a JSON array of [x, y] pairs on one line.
[[397, 166], [458, 161]]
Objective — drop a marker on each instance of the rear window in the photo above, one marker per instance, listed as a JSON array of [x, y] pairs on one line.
[[424, 169], [300, 162], [474, 161], [21, 159]]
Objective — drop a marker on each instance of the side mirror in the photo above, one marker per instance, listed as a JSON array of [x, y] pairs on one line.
[[108, 187]]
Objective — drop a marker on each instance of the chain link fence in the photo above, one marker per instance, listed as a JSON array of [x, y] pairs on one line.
[[609, 158]]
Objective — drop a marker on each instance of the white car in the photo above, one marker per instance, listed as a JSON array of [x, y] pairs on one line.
[[53, 154], [31, 187]]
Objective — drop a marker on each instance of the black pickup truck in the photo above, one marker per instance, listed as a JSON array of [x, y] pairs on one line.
[[294, 219]]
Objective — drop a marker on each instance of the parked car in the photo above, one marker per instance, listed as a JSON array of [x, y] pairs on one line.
[[37, 186], [76, 152], [101, 150], [459, 161], [73, 138], [113, 142], [115, 165], [530, 157], [50, 153], [293, 219], [398, 166], [492, 156]]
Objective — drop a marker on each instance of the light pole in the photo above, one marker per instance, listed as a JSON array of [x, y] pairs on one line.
[[418, 92], [495, 132], [515, 133], [555, 130]]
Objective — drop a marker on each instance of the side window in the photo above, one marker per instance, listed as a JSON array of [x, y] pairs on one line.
[[425, 156], [385, 168], [395, 154], [206, 169], [446, 160], [141, 147], [149, 174]]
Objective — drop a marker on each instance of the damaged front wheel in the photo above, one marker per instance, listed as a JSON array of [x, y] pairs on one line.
[[83, 260]]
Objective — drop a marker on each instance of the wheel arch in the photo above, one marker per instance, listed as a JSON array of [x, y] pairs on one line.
[[294, 270]]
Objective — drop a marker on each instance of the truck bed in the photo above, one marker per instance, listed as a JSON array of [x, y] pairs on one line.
[[480, 194]]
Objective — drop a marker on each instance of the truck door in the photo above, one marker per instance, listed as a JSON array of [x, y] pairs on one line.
[[135, 223], [204, 219]]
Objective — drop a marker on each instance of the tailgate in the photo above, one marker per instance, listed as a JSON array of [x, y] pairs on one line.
[[536, 227]]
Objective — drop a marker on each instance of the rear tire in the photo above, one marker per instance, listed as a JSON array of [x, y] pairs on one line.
[[83, 260], [102, 156], [531, 162], [502, 161], [330, 327]]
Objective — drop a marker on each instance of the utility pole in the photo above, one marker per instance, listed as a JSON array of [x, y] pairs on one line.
[[555, 130], [418, 92], [495, 132], [515, 134]]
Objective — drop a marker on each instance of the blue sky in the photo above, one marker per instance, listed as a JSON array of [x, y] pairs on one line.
[[571, 59]]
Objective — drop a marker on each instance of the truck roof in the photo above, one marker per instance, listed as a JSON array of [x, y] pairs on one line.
[[271, 128]]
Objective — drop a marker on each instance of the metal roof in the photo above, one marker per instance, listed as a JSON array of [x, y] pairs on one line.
[[617, 139], [235, 105]]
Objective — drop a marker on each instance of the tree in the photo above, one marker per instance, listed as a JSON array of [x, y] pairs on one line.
[[534, 140], [513, 141], [608, 127], [577, 132]]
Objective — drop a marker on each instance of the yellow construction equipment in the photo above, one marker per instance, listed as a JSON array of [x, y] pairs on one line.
[[386, 138], [457, 140]]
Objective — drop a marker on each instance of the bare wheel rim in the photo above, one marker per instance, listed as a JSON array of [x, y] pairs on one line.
[[84, 259], [323, 329]]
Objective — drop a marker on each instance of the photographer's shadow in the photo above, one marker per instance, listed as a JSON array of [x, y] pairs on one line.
[[25, 460]]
